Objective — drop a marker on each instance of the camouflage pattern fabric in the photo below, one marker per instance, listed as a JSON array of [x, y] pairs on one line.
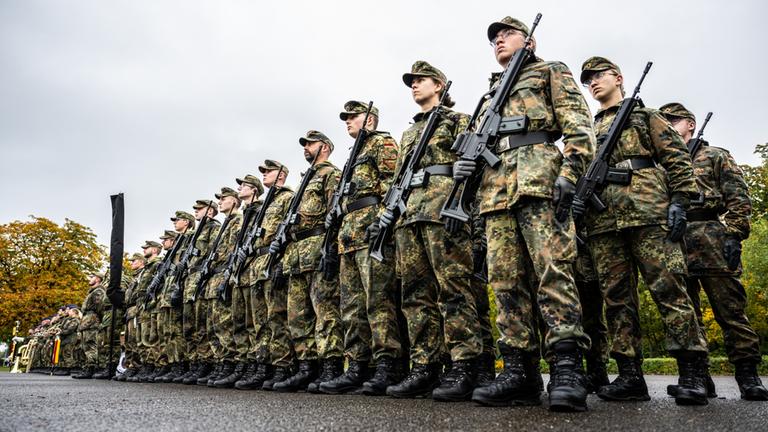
[[242, 309], [258, 329], [272, 218], [147, 328], [313, 316], [280, 344], [93, 310], [592, 305], [68, 335]]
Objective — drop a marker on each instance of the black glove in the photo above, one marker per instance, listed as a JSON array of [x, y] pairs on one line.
[[387, 218], [372, 231], [479, 267], [732, 252], [463, 169], [274, 247], [562, 197], [452, 225], [330, 264], [329, 220], [578, 208], [176, 298], [279, 280], [676, 221]]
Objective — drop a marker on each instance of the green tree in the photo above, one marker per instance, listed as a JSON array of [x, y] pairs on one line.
[[757, 180]]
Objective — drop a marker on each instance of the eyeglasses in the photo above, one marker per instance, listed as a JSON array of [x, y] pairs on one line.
[[596, 76], [502, 35]]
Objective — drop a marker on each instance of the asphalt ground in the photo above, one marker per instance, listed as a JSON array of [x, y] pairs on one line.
[[32, 402]]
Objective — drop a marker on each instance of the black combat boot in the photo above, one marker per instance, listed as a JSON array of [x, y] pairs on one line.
[[59, 371], [300, 380], [486, 369], [227, 367], [250, 371], [215, 370], [159, 371], [144, 371], [160, 378], [708, 382], [597, 374], [629, 385], [202, 371], [102, 374], [691, 389], [458, 384], [568, 390], [387, 374], [349, 381], [255, 380], [228, 381], [750, 386], [517, 384], [177, 371], [190, 370], [330, 369], [422, 380], [86, 373], [281, 374]]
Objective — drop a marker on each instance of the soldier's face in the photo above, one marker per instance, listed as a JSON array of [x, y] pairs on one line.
[[94, 280], [424, 89], [245, 190], [311, 149], [507, 42], [227, 203], [199, 213], [180, 225], [137, 264], [269, 177], [683, 126], [354, 124], [605, 85], [167, 243]]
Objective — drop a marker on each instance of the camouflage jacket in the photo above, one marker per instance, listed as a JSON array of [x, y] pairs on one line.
[[305, 255], [68, 329], [133, 294], [225, 247], [372, 175], [202, 247], [149, 272], [646, 199], [164, 300], [93, 308], [249, 218], [724, 191], [425, 203], [272, 218], [548, 95], [106, 319]]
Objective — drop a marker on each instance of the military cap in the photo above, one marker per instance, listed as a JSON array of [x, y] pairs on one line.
[[62, 307], [73, 306], [184, 216], [136, 256], [597, 64], [314, 136], [225, 192], [271, 165], [676, 109], [167, 234], [356, 107], [506, 22], [253, 181], [203, 203], [423, 69], [151, 243], [100, 274]]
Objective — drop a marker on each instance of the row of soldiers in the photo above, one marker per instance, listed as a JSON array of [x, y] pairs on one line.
[[54, 342], [398, 292]]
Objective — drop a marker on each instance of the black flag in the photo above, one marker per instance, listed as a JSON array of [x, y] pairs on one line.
[[115, 270]]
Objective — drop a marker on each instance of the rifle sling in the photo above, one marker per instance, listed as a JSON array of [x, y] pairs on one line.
[[421, 177], [514, 141], [305, 234], [361, 203], [621, 173]]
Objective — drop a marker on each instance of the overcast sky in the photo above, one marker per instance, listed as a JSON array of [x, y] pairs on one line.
[[167, 101]]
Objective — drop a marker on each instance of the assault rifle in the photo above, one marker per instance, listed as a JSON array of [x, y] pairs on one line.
[[224, 291], [477, 145], [180, 272], [396, 199], [158, 279], [695, 144], [205, 268]]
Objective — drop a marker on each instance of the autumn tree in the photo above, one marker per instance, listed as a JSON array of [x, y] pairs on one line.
[[43, 266], [757, 180]]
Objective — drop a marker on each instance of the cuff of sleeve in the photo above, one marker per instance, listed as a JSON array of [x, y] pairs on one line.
[[680, 198], [568, 173]]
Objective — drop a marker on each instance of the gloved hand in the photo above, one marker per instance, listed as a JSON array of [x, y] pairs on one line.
[[386, 218], [732, 252], [452, 225], [463, 169], [241, 254], [578, 208], [279, 280], [329, 220], [479, 267], [676, 221], [562, 197], [330, 264], [176, 298], [274, 247], [372, 231]]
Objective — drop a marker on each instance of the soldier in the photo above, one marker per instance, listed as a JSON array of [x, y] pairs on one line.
[[717, 223], [132, 298], [147, 334], [642, 228], [270, 344], [368, 287], [313, 312], [68, 336], [244, 330], [93, 311], [434, 258], [195, 309], [519, 200], [105, 331]]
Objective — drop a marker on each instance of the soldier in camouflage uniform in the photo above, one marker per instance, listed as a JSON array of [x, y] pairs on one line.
[[313, 302], [434, 258], [271, 344], [641, 229], [93, 311], [368, 287], [132, 297], [194, 309], [519, 200], [146, 335], [105, 332], [244, 330], [68, 336], [717, 223]]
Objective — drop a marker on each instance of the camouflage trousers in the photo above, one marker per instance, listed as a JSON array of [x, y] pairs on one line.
[[728, 300], [132, 339], [528, 238], [67, 356], [368, 290], [104, 345], [592, 310], [173, 345], [156, 349], [220, 331], [280, 345], [194, 315], [437, 297], [617, 257], [89, 343], [259, 333], [149, 336], [313, 316], [242, 324]]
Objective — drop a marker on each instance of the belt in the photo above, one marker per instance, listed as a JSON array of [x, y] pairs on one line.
[[195, 269], [219, 269], [361, 203], [305, 234], [621, 173], [701, 215], [525, 139], [261, 251], [421, 177]]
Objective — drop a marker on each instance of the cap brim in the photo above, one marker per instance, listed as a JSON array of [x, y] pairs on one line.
[[343, 116], [587, 72], [494, 28], [240, 181], [174, 219]]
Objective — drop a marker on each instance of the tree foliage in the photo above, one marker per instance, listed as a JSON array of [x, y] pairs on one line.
[[43, 266], [757, 180]]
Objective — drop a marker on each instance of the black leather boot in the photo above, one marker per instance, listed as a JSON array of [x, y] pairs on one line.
[[250, 372], [255, 380], [387, 373], [486, 369], [158, 371], [750, 386], [202, 371], [300, 380], [422, 380], [349, 381], [190, 370], [227, 367], [568, 390], [458, 384], [691, 389], [629, 385], [145, 370], [214, 372], [281, 374], [168, 371], [86, 373], [330, 369], [177, 371], [228, 381], [102, 374], [517, 384], [708, 382], [597, 374]]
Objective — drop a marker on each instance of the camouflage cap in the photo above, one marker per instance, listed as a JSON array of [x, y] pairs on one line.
[[73, 306], [355, 108], [136, 256], [676, 109], [506, 22], [167, 234], [252, 180], [423, 69], [271, 165], [596, 64], [151, 243], [314, 136], [225, 192], [203, 203], [100, 274], [183, 215]]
